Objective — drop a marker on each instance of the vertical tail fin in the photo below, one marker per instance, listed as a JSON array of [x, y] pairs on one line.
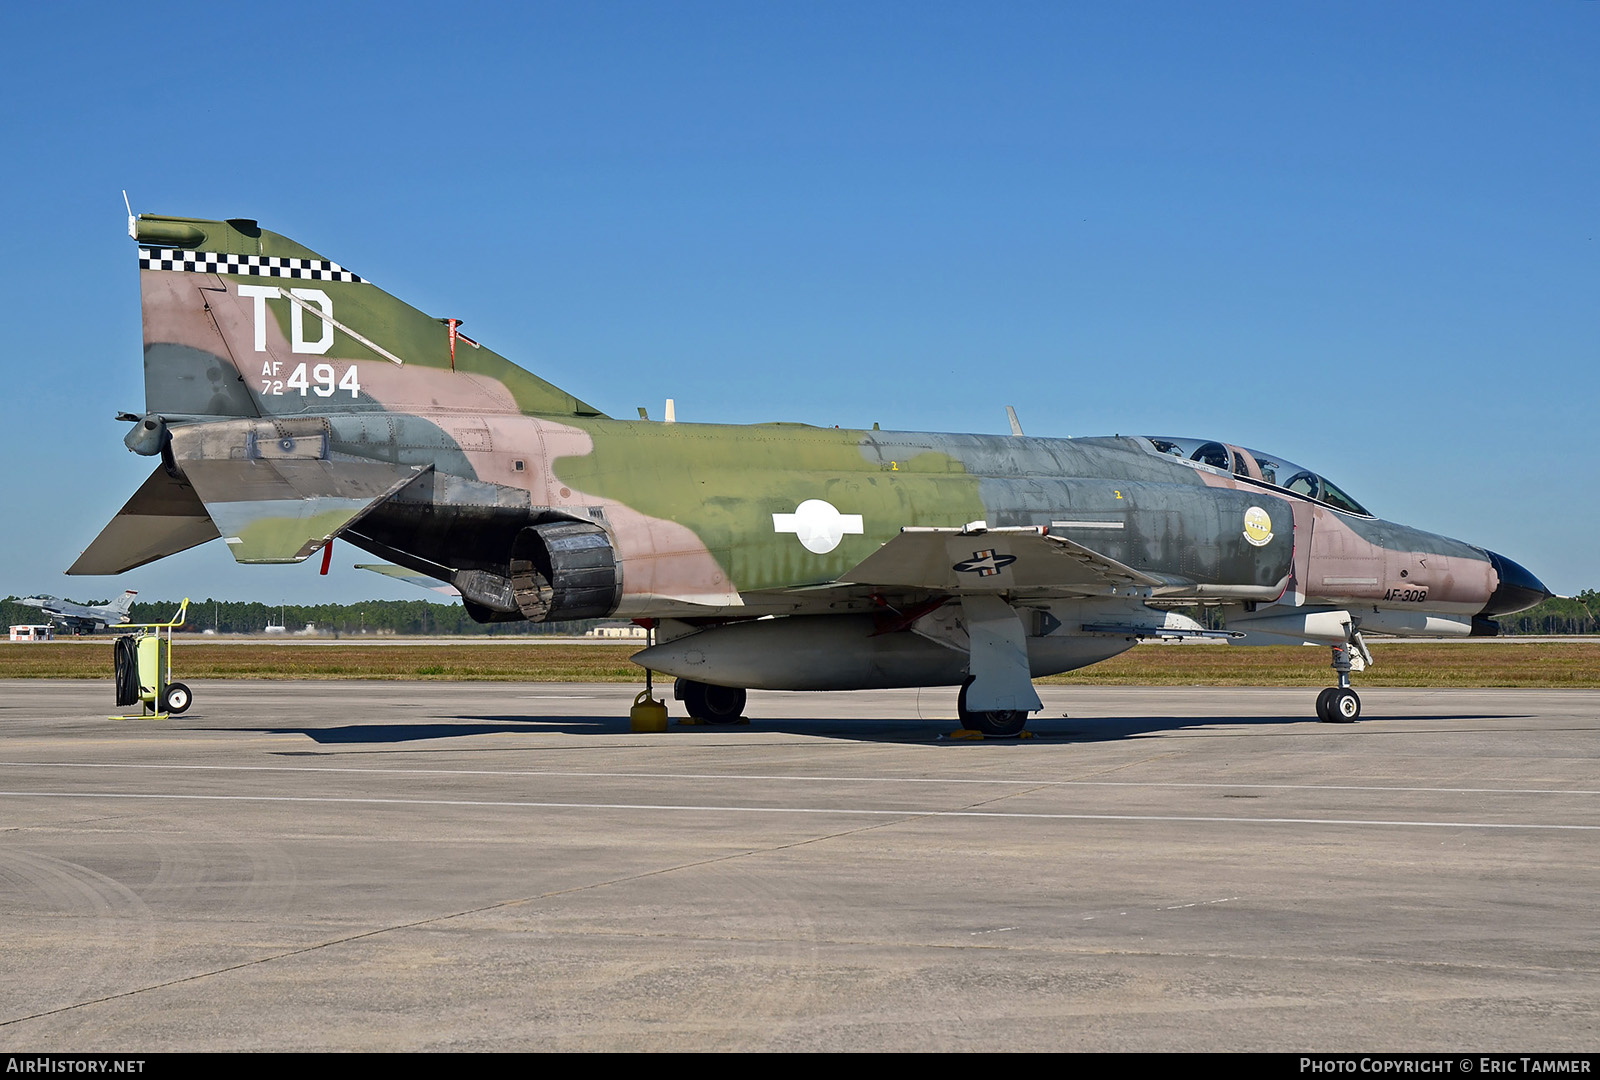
[[242, 322]]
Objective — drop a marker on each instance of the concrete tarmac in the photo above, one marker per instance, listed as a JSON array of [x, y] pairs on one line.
[[493, 866]]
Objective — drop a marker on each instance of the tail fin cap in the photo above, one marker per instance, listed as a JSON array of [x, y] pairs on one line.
[[148, 230]]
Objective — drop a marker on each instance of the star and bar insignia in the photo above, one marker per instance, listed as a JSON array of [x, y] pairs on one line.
[[984, 563]]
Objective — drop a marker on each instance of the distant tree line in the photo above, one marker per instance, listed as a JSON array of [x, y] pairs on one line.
[[410, 617], [422, 617], [1556, 616]]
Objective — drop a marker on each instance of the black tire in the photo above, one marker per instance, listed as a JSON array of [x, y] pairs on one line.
[[1344, 707], [997, 723], [1324, 708], [177, 699], [715, 704]]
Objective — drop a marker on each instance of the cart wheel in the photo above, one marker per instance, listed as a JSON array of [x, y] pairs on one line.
[[178, 698]]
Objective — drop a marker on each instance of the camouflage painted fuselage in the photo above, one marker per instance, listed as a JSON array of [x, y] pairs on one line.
[[292, 402]]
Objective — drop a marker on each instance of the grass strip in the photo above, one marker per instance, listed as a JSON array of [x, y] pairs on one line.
[[1423, 664]]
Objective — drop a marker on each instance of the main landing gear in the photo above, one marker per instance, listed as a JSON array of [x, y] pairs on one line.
[[713, 704], [998, 723], [1340, 704]]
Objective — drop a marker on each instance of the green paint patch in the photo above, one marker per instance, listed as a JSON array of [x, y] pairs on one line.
[[285, 538], [735, 479]]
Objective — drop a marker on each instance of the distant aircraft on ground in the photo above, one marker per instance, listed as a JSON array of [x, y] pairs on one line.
[[83, 618], [291, 402]]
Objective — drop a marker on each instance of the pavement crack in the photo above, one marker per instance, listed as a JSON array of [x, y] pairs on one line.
[[498, 905]]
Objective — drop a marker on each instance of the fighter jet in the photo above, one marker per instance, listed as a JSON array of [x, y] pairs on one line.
[[291, 402], [83, 618]]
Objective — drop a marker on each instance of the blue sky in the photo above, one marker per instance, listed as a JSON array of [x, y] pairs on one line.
[[1362, 236]]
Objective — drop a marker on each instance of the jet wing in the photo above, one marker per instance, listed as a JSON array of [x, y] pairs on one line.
[[282, 510], [277, 490], [975, 560], [164, 517]]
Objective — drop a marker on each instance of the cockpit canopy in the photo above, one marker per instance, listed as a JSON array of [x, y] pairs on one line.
[[1254, 465]]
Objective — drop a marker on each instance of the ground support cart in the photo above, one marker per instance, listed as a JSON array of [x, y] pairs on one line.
[[143, 661]]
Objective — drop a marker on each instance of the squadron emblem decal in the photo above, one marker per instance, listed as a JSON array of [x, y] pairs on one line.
[[818, 524], [1257, 526], [984, 563]]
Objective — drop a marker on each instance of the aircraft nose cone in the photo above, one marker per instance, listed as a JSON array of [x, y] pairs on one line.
[[1518, 588]]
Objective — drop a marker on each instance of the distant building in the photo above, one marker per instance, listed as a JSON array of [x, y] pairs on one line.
[[618, 630], [30, 632]]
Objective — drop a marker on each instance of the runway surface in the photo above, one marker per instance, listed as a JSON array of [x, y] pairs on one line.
[[504, 866]]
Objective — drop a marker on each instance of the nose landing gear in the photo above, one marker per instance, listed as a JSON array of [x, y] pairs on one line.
[[1341, 704]]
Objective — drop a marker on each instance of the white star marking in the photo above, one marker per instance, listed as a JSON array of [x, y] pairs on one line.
[[981, 562], [818, 524]]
